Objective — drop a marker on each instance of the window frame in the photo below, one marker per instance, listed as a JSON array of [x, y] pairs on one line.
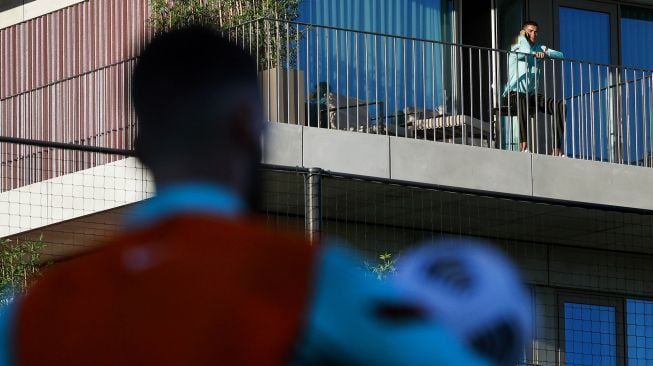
[[613, 9], [617, 302]]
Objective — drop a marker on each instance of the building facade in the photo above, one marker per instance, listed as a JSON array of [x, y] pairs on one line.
[[392, 113]]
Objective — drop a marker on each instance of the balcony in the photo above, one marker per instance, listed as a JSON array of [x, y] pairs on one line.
[[376, 105]]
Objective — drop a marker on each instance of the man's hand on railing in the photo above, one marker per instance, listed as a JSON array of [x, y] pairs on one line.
[[539, 54]]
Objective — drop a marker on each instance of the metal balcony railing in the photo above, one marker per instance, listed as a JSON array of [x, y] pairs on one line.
[[327, 77], [361, 82]]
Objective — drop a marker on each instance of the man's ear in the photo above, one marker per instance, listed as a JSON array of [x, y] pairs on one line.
[[246, 128]]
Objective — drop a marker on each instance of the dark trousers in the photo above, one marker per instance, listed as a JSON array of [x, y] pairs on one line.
[[542, 105]]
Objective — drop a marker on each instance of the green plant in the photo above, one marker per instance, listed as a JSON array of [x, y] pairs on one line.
[[19, 265], [273, 42], [384, 267]]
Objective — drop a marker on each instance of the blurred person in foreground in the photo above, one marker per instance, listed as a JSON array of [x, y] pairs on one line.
[[197, 280]]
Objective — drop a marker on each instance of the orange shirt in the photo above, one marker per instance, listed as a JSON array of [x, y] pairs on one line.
[[192, 290]]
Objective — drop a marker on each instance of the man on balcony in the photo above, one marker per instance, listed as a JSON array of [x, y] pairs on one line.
[[523, 84]]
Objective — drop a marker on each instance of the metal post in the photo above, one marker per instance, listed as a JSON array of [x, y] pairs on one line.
[[313, 204]]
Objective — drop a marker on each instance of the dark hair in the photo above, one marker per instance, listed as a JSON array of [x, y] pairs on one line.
[[178, 80], [530, 22]]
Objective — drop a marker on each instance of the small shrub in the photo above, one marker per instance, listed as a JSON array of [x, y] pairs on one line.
[[19, 265], [384, 267]]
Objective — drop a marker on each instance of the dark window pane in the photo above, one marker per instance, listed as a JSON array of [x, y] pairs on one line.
[[639, 332], [590, 335], [636, 37]]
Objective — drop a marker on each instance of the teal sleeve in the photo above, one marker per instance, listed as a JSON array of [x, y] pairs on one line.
[[343, 326], [523, 48], [554, 54], [7, 315]]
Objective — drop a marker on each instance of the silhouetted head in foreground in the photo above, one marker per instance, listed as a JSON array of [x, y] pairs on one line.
[[197, 101]]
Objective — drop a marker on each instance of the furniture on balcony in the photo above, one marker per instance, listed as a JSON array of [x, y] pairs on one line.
[[340, 112], [433, 125]]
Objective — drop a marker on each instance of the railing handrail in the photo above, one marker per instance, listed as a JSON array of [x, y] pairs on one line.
[[622, 83], [459, 45]]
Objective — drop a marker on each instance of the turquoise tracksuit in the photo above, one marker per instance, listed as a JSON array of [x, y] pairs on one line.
[[524, 68]]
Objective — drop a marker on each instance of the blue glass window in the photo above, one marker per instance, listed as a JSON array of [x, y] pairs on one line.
[[636, 52], [590, 335], [426, 19], [395, 67], [639, 332], [585, 36], [636, 37]]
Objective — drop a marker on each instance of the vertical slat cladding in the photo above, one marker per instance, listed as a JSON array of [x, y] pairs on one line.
[[56, 85]]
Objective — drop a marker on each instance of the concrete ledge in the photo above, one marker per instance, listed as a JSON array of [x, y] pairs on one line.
[[347, 152], [592, 182], [461, 166], [73, 195], [32, 10], [282, 145]]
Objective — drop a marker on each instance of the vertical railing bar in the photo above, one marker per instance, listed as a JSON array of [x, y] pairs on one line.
[[471, 91], [376, 83], [626, 82], [583, 116], [336, 93], [287, 78], [609, 117], [528, 102], [394, 70], [510, 134], [347, 80], [650, 134], [573, 109], [297, 78], [592, 113], [367, 72], [454, 57], [555, 138], [277, 55], [317, 79], [547, 113], [327, 92], [635, 125], [404, 68], [460, 89], [490, 98], [600, 86], [308, 81], [385, 87], [480, 98], [433, 88], [650, 137], [444, 96], [643, 93], [414, 102], [356, 76], [618, 119], [423, 88]]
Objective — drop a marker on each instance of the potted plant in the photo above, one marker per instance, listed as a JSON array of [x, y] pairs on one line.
[[259, 26]]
